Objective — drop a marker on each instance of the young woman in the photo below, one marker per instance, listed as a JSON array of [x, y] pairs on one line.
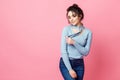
[[75, 44]]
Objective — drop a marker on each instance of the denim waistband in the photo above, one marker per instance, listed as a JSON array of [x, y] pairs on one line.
[[73, 59]]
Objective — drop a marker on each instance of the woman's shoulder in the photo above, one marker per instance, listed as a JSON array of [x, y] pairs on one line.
[[66, 28], [88, 30]]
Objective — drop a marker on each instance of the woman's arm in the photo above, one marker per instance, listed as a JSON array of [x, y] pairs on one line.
[[84, 50], [64, 49]]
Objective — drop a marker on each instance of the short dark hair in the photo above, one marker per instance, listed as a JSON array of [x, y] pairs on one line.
[[75, 8]]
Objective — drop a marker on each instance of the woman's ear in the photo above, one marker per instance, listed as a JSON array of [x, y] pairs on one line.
[[80, 16]]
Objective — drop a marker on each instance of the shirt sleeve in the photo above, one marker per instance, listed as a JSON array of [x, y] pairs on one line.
[[64, 52], [84, 50]]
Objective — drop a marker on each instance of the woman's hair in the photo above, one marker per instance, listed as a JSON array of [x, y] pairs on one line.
[[75, 8]]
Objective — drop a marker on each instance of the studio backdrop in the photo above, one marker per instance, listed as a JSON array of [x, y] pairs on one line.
[[30, 35]]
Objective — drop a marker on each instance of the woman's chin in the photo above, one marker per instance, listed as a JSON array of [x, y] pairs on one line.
[[73, 24]]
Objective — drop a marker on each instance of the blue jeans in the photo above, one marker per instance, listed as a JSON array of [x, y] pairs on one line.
[[77, 65]]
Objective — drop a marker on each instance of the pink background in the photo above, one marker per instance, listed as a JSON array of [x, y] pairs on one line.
[[30, 33]]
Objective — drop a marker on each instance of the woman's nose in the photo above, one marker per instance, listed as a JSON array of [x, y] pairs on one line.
[[71, 19]]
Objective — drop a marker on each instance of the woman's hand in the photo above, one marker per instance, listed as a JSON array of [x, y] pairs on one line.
[[69, 40], [73, 73]]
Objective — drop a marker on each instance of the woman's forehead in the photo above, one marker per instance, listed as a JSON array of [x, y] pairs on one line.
[[71, 13]]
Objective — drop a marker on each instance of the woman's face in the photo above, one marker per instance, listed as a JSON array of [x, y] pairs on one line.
[[73, 18]]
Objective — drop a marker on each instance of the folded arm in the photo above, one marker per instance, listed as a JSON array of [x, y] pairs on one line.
[[84, 50]]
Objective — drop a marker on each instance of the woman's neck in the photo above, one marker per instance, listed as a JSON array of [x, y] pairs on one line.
[[79, 24]]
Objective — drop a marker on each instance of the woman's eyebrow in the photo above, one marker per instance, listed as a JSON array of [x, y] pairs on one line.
[[69, 16]]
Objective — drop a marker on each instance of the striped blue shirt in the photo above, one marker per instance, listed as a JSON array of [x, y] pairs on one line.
[[81, 46]]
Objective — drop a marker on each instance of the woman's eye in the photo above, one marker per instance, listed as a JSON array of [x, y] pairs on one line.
[[74, 15], [69, 17]]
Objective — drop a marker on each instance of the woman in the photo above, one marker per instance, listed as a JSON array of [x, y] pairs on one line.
[[75, 44]]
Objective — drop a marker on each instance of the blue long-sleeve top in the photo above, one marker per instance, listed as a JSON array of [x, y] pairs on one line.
[[81, 46]]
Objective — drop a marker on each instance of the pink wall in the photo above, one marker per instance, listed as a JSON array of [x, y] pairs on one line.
[[30, 32]]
